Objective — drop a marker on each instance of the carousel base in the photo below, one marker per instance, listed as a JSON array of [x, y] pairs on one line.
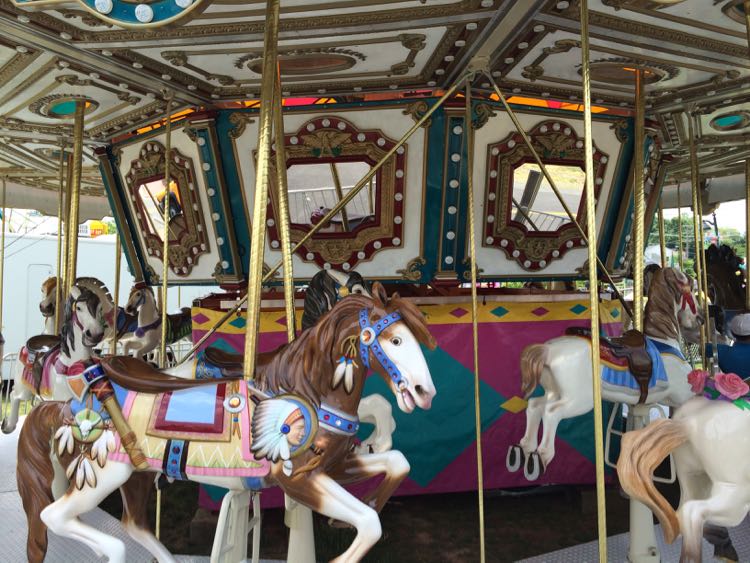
[[617, 548], [60, 550]]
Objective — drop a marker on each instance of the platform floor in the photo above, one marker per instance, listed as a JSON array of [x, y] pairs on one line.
[[617, 549], [60, 550]]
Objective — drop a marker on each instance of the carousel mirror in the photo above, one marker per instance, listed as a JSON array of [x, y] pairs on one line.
[[535, 205], [148, 197], [326, 158], [315, 188], [524, 217]]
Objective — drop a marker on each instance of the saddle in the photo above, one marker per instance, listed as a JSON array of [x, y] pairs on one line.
[[37, 348], [631, 347]]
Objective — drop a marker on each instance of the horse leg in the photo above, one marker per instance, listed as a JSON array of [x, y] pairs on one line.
[[135, 496], [61, 516], [376, 410], [19, 393], [534, 412], [554, 412], [356, 468], [325, 496], [725, 507]]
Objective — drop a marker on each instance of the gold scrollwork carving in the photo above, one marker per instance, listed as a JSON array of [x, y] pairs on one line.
[[239, 120], [412, 271]]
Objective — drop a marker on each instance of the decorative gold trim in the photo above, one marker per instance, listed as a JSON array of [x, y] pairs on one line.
[[412, 271], [240, 121], [189, 231]]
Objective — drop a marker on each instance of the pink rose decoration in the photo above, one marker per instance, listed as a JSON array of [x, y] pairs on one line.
[[731, 385], [697, 379]]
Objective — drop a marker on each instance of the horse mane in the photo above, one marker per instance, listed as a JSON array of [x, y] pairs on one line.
[[659, 319], [319, 298], [49, 284], [67, 340], [305, 365]]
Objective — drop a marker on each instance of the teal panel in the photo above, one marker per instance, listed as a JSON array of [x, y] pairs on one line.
[[432, 439]]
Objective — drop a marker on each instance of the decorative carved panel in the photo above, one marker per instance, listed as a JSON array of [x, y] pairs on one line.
[[356, 236], [533, 238], [147, 193]]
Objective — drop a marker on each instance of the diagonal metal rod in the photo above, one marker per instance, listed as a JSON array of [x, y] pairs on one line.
[[334, 211], [537, 158]]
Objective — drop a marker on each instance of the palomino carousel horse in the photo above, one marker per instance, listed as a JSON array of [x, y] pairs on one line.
[[563, 368], [708, 439], [147, 335], [33, 374], [298, 436]]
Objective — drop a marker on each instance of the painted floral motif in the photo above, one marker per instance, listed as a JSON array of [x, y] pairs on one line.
[[722, 387]]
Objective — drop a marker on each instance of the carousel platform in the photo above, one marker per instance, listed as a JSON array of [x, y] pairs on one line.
[[61, 550], [617, 549]]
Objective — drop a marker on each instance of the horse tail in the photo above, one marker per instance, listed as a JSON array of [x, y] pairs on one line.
[[533, 359], [34, 473], [640, 453]]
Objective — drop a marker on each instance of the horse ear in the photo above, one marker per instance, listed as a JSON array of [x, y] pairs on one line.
[[379, 293], [75, 292]]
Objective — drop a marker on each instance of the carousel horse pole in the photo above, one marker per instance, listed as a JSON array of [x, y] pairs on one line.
[[296, 445]]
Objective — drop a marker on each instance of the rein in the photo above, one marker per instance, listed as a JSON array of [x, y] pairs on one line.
[[141, 331], [368, 342]]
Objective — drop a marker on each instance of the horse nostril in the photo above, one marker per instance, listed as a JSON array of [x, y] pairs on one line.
[[420, 390]]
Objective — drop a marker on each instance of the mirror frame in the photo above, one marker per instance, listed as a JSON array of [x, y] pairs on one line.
[[557, 143], [192, 242], [333, 139]]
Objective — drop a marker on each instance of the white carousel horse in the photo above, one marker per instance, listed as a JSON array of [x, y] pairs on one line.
[[147, 336], [562, 366], [711, 452], [304, 449], [31, 381]]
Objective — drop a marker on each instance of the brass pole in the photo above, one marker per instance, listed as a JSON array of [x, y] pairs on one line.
[[697, 227], [553, 185], [588, 143], [469, 137], [67, 226], [747, 230], [746, 6], [703, 277], [60, 265], [638, 201], [118, 265], [662, 236], [339, 195], [679, 230], [330, 215], [282, 192], [2, 256], [165, 233], [75, 196], [258, 236]]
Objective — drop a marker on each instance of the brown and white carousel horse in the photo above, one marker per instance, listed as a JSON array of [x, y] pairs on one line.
[[299, 436], [562, 366]]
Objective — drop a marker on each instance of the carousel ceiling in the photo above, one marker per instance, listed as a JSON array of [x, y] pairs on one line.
[[694, 55]]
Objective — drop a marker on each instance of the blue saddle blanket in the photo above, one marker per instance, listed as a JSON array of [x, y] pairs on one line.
[[621, 377]]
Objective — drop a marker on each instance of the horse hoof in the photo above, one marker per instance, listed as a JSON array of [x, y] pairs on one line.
[[6, 427], [532, 469], [514, 459]]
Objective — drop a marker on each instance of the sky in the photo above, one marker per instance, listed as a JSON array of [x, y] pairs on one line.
[[728, 214]]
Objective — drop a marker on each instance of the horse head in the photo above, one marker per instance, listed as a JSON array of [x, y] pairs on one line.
[[672, 306], [83, 320], [138, 296], [49, 297]]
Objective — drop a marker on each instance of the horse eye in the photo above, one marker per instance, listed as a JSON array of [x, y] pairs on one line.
[[396, 341]]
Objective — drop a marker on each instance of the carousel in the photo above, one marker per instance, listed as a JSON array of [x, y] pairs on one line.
[[418, 219]]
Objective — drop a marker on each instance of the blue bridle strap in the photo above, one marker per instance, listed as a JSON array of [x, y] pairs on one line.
[[368, 342]]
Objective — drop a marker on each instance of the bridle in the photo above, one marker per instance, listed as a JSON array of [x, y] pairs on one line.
[[368, 343]]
